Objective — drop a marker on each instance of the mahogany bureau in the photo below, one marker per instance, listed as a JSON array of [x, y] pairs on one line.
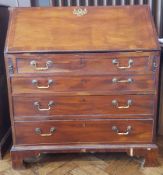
[[82, 80]]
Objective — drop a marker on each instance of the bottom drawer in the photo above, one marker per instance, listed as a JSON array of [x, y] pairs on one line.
[[92, 131]]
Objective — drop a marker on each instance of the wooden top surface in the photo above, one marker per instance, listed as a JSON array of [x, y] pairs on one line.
[[57, 29]]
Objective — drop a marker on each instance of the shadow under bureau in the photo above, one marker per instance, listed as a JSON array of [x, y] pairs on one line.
[[82, 80]]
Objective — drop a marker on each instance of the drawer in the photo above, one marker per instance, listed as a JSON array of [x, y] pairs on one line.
[[80, 84], [83, 105], [92, 131], [83, 64]]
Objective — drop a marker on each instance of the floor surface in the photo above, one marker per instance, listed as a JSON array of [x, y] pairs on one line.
[[85, 164]]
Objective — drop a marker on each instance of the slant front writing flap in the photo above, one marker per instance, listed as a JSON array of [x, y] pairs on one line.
[[90, 29]]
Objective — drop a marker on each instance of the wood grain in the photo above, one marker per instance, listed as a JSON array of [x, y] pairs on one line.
[[84, 164], [77, 132], [110, 36], [84, 84], [85, 58], [85, 63], [84, 105]]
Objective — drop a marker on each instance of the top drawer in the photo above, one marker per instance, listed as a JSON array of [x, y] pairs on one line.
[[82, 64]]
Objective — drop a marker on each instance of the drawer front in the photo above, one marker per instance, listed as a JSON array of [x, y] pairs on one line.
[[77, 84], [83, 64], [83, 105], [93, 131]]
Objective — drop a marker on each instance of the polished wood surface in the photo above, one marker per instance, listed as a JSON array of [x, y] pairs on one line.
[[86, 63], [81, 85], [86, 100], [84, 105], [98, 30], [77, 132], [160, 129], [85, 164]]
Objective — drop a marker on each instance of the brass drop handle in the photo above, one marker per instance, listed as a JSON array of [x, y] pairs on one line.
[[115, 103], [127, 132], [35, 82], [37, 104], [47, 65], [38, 131], [115, 80], [116, 62]]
